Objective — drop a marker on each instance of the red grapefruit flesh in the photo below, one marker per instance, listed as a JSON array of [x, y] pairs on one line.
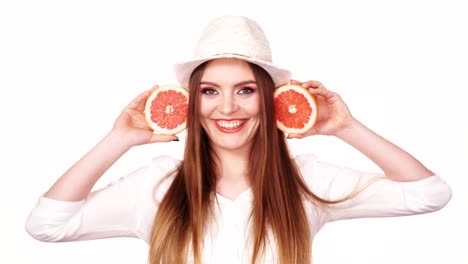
[[166, 109], [295, 109]]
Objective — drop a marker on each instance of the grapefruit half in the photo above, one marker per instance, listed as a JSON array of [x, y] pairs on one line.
[[166, 109], [295, 109]]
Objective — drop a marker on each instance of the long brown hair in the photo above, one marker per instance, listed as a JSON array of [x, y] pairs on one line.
[[277, 186]]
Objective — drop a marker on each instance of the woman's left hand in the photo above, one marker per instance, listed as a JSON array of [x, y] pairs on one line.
[[333, 114]]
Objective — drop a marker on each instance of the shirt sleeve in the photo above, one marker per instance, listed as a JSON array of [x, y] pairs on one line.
[[370, 194], [121, 209]]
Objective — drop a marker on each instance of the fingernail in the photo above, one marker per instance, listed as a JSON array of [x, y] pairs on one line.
[[175, 139]]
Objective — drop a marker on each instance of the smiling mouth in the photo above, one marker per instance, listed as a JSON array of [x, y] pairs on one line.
[[230, 126]]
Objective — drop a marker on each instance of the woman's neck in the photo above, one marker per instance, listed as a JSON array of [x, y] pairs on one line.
[[233, 166]]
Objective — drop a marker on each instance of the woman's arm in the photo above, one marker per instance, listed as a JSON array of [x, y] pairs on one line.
[[334, 118], [396, 163], [406, 189], [130, 129], [76, 183], [69, 211]]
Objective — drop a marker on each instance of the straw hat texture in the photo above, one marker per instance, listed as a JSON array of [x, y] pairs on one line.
[[232, 37]]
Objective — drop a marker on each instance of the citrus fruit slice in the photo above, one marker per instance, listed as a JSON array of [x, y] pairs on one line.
[[295, 109], [166, 109]]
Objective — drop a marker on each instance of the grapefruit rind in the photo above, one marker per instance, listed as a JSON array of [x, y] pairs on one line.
[[156, 128], [310, 99]]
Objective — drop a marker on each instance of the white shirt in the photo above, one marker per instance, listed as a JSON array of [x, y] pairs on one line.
[[127, 207]]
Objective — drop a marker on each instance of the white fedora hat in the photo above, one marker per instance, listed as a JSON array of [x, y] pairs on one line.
[[232, 37]]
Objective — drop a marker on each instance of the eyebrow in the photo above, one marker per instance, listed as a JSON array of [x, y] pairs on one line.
[[237, 84]]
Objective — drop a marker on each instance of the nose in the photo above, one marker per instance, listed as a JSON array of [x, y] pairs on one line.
[[228, 104]]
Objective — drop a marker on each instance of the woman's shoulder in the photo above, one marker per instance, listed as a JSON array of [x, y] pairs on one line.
[[153, 170], [327, 180], [307, 163], [162, 168], [164, 162], [162, 173], [303, 159]]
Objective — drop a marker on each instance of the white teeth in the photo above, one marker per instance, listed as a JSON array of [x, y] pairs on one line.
[[230, 124]]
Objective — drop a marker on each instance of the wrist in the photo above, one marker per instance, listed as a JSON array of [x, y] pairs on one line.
[[117, 141], [348, 130]]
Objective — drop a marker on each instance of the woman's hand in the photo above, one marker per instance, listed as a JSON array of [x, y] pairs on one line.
[[131, 124], [130, 129], [333, 114]]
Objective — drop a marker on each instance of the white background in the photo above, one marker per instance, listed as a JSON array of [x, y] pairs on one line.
[[67, 68]]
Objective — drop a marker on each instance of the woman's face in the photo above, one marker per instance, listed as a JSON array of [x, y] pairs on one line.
[[229, 103]]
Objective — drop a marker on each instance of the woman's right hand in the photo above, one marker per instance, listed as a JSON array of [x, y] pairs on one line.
[[131, 125], [130, 129]]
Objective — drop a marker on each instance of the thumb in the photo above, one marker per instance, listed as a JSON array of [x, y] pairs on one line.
[[295, 82], [163, 138], [311, 132], [292, 135]]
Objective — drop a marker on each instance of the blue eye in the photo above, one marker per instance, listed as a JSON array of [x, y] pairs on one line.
[[209, 91], [246, 90]]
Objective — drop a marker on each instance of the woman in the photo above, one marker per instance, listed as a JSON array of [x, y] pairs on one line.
[[237, 196]]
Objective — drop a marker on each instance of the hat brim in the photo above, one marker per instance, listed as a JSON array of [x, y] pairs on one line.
[[184, 70]]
